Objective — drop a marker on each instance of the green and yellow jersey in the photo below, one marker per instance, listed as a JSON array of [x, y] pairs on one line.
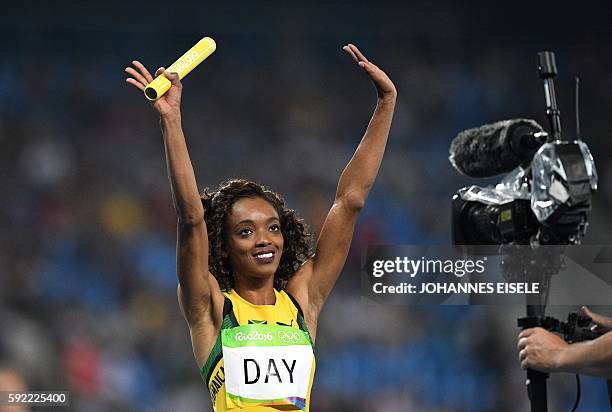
[[269, 357]]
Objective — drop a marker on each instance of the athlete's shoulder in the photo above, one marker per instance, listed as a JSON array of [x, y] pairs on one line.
[[300, 281]]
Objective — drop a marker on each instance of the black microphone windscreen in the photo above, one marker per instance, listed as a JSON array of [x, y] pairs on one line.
[[493, 148]]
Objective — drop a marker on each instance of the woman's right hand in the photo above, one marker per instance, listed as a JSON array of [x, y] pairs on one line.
[[167, 105]]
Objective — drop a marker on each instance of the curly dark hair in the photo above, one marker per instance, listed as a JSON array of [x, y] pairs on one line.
[[217, 206]]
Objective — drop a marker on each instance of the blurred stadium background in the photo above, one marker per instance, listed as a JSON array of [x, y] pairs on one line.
[[87, 264]]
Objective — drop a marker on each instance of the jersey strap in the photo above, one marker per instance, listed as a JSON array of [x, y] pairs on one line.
[[229, 321]]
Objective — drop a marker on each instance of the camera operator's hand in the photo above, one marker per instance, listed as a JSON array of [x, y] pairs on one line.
[[540, 349], [544, 351], [602, 323]]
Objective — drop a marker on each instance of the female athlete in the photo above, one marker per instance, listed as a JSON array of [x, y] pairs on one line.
[[249, 288]]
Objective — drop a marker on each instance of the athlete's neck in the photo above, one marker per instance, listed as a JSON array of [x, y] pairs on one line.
[[255, 290]]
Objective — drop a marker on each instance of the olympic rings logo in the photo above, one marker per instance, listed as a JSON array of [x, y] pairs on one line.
[[289, 337]]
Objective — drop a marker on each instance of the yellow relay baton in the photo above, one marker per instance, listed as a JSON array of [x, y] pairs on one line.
[[185, 64]]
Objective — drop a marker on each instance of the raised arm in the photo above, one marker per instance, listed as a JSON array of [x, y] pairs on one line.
[[196, 284], [361, 171], [353, 187]]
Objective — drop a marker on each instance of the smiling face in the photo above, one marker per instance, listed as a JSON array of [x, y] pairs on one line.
[[254, 238]]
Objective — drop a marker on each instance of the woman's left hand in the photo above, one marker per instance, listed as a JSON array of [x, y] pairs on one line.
[[384, 86]]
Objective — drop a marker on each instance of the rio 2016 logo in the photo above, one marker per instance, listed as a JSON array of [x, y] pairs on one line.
[[254, 335], [183, 63]]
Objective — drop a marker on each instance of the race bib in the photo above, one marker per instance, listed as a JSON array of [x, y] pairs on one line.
[[266, 365]]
